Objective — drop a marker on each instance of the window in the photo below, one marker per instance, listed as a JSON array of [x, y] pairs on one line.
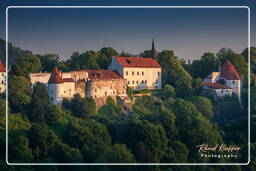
[[138, 73], [233, 82], [126, 72], [132, 72], [132, 82], [113, 92], [145, 81], [128, 82], [69, 89], [95, 96], [221, 91], [137, 82], [158, 73], [142, 81], [52, 98], [142, 72], [156, 81], [51, 91], [106, 93]]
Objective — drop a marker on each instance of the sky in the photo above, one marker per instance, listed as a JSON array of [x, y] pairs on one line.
[[188, 32]]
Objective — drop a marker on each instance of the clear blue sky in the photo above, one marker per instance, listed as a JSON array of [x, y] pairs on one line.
[[189, 32]]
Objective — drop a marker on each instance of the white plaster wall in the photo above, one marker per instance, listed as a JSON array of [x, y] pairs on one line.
[[235, 85], [39, 77], [68, 90], [151, 75], [55, 93], [2, 82]]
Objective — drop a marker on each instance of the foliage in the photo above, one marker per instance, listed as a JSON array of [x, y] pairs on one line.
[[174, 74], [81, 107], [25, 65], [203, 105], [19, 93]]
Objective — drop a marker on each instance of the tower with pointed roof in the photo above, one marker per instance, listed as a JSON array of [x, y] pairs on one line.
[[153, 50], [55, 85], [230, 77], [2, 77]]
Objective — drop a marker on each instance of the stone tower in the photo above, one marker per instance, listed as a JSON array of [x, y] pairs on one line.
[[55, 85]]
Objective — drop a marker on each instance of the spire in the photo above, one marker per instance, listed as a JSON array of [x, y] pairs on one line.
[[2, 68], [55, 77], [153, 50]]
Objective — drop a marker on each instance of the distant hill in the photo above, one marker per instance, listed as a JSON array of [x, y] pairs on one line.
[[14, 52]]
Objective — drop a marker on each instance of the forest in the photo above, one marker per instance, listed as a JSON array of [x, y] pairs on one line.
[[165, 127]]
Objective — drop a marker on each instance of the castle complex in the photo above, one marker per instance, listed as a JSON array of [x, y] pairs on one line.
[[135, 72], [226, 82]]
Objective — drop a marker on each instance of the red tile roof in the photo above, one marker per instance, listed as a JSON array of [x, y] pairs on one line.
[[103, 74], [68, 80], [229, 72], [216, 85], [55, 77], [138, 62], [2, 68]]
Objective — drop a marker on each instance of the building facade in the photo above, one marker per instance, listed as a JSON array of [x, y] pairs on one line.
[[140, 73], [226, 82], [97, 84], [2, 77]]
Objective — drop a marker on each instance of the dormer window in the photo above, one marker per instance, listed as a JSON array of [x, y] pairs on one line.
[[128, 61]]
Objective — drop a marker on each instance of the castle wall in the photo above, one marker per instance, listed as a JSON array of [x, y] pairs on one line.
[[104, 88]]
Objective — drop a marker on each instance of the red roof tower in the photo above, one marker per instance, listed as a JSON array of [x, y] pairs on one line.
[[2, 68], [229, 72], [55, 77]]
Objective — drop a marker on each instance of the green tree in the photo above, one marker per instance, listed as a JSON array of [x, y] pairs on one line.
[[174, 73], [81, 107], [63, 153], [111, 110], [41, 110], [208, 63], [203, 105], [167, 92], [49, 61], [87, 60], [89, 136], [19, 93], [25, 65], [42, 140], [19, 151], [106, 56], [147, 141], [146, 54], [119, 153]]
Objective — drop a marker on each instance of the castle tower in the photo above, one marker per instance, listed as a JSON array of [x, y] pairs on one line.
[[153, 50], [231, 78], [55, 86], [2, 77]]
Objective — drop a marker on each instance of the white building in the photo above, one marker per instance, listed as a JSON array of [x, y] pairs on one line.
[[2, 77], [59, 87], [140, 73], [224, 83]]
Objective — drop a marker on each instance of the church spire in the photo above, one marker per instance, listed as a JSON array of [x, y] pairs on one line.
[[153, 50]]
